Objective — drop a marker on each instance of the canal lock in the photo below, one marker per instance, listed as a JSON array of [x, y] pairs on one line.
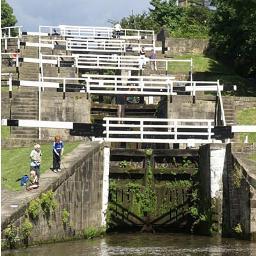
[[153, 191]]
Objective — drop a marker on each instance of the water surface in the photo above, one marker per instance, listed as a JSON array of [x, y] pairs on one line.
[[137, 244]]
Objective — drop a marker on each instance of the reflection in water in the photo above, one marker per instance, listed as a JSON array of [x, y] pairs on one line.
[[143, 245]]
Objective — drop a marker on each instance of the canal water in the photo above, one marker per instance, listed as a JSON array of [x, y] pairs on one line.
[[137, 244]]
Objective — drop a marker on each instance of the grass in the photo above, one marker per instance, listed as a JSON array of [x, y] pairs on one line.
[[16, 163], [208, 69], [5, 132], [247, 117]]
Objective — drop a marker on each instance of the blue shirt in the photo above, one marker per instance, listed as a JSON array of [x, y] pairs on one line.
[[58, 146]]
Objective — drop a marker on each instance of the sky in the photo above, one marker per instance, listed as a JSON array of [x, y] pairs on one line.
[[32, 13]]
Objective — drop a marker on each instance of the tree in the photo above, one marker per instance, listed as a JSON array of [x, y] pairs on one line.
[[7, 17], [233, 34]]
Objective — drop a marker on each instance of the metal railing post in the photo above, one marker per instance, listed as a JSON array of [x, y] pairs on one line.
[[221, 103], [107, 128], [141, 130], [64, 89], [175, 130], [10, 85]]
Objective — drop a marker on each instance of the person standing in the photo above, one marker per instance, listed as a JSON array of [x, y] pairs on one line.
[[35, 157], [58, 149], [152, 58]]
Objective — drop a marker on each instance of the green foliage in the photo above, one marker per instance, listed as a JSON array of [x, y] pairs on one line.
[[26, 229], [92, 232], [179, 184], [237, 177], [65, 216], [247, 117], [233, 34], [34, 208], [7, 17], [139, 21], [123, 164], [11, 233], [190, 22], [186, 162], [148, 152], [48, 203], [238, 229]]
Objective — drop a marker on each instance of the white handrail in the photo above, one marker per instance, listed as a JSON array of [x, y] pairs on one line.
[[221, 104], [146, 130]]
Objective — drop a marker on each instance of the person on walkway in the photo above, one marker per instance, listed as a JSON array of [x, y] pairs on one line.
[[142, 59], [35, 157], [117, 30], [33, 181], [152, 58], [58, 149]]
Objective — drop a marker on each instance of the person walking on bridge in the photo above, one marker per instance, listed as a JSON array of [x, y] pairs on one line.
[[58, 149]]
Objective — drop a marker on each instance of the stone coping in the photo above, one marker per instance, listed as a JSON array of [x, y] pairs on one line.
[[14, 203], [248, 165]]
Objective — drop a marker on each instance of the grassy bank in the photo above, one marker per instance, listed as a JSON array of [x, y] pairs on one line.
[[208, 69], [16, 163], [247, 117]]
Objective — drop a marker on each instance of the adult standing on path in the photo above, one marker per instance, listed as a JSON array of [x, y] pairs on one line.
[[35, 157], [58, 149]]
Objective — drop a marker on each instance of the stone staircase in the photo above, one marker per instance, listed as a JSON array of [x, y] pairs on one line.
[[25, 106], [229, 110]]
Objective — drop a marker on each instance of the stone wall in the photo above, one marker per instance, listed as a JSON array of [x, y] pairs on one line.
[[212, 168], [239, 218], [183, 107], [78, 189], [185, 45], [5, 105], [74, 108]]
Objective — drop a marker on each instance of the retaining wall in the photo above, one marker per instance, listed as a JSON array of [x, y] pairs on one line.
[[78, 189]]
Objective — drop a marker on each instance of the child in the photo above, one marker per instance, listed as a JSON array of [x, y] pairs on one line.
[[58, 149], [35, 157], [33, 181]]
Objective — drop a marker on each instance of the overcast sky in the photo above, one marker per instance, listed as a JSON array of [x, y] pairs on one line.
[[32, 13]]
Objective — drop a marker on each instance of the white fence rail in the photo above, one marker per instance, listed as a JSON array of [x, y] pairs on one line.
[[95, 32], [152, 130]]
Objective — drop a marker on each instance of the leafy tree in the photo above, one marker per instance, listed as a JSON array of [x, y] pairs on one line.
[[192, 21], [7, 17], [139, 21], [233, 34]]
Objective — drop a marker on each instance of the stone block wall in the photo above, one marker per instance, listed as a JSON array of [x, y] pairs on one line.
[[5, 105], [239, 213], [183, 107], [77, 189], [185, 45], [74, 108]]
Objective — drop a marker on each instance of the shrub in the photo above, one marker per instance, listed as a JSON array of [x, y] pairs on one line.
[[34, 209]]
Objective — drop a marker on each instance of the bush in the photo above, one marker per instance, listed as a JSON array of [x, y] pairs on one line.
[[34, 209]]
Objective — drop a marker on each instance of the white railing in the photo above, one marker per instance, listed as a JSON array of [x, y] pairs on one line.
[[126, 85], [152, 130], [103, 32], [90, 61], [11, 32], [221, 104], [95, 45]]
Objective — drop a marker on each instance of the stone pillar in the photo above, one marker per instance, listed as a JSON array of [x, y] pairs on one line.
[[212, 166], [105, 185]]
